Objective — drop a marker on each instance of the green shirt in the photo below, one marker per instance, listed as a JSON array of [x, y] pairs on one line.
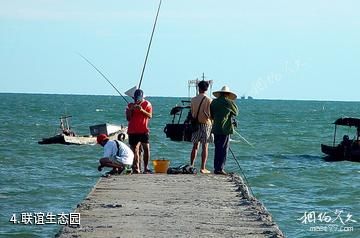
[[222, 110]]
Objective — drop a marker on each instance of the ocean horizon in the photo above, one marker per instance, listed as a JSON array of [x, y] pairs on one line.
[[182, 97]]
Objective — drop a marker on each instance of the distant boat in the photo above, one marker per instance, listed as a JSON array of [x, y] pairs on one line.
[[243, 97], [67, 136], [347, 149]]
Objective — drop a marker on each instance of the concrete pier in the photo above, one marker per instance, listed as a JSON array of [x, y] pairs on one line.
[[161, 205]]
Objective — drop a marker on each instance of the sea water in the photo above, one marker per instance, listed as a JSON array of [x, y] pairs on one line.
[[307, 196]]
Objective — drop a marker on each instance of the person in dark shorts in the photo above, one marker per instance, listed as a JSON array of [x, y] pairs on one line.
[[138, 115]]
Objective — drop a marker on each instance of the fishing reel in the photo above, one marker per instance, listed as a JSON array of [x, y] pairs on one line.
[[234, 122]]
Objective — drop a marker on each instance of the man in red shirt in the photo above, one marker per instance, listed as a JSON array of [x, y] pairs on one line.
[[138, 115]]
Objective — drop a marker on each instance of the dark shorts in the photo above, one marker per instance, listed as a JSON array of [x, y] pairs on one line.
[[134, 139]]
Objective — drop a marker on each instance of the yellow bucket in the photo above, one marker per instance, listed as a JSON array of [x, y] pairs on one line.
[[161, 165]]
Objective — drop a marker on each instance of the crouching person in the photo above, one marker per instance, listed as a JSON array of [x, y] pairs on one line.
[[117, 155]]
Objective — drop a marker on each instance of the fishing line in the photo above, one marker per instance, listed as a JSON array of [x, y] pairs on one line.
[[147, 53], [103, 76], [246, 180], [247, 142]]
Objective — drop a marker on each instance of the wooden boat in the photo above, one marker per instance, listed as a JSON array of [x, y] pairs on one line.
[[347, 149], [67, 136]]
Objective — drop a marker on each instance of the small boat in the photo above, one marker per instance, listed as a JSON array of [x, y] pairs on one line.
[[347, 149], [67, 136]]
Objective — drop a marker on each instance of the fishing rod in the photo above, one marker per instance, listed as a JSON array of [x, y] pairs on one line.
[[147, 53], [103, 76], [246, 180]]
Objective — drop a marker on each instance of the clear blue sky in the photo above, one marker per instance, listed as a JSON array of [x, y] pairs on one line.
[[308, 49]]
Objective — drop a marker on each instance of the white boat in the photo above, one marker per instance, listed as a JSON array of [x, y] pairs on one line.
[[68, 137]]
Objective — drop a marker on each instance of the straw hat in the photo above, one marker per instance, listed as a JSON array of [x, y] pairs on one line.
[[131, 92], [225, 89]]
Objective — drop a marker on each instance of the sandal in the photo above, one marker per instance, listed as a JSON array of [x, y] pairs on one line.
[[147, 171], [204, 171]]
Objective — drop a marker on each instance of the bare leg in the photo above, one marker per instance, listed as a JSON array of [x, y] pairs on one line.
[[204, 155], [136, 163], [141, 155], [194, 153], [146, 157]]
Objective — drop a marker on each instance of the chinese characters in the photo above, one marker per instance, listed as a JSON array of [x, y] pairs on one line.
[[40, 218]]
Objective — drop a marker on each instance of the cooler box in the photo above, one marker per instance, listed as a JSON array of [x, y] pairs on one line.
[[107, 129]]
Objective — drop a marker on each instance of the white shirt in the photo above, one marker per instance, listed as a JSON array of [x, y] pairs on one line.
[[126, 156]]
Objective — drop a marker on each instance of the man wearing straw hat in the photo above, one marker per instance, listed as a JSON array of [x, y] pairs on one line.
[[222, 110]]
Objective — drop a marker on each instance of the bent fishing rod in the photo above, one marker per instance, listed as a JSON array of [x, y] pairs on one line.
[[148, 50], [103, 76]]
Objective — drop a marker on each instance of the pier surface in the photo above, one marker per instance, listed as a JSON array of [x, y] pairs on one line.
[[161, 205]]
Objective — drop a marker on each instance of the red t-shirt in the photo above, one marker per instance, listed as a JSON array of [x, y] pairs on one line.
[[138, 123]]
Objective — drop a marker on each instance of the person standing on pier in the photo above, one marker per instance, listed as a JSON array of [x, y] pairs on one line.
[[138, 115], [200, 110], [222, 109]]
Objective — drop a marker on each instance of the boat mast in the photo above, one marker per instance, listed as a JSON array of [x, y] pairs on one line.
[[64, 123], [334, 135]]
